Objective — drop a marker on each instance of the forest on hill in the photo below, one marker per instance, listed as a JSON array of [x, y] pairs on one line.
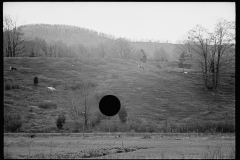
[[39, 40]]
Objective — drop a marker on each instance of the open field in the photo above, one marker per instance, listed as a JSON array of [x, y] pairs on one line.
[[107, 146]]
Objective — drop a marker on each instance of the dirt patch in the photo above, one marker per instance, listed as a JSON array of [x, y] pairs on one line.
[[89, 153]]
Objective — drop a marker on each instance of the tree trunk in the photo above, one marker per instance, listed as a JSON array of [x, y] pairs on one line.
[[205, 73], [213, 79], [183, 66], [85, 112], [217, 71], [85, 120]]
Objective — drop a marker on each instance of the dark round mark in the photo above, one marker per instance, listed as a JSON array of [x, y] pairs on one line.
[[109, 105]]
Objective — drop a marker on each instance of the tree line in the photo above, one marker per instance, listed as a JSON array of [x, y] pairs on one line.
[[17, 45]]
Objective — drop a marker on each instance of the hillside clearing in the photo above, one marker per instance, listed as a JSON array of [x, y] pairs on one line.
[[157, 95]]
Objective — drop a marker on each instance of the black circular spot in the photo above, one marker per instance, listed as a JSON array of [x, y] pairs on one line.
[[109, 105]]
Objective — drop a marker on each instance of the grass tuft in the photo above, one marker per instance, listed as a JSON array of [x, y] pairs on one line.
[[47, 105], [11, 85], [12, 122]]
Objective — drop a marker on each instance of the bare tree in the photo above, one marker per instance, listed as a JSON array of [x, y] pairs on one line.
[[223, 43], [87, 92], [161, 54], [102, 49], [210, 49], [12, 37], [122, 48]]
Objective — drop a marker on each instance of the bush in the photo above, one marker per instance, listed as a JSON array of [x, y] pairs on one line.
[[62, 118], [99, 117], [35, 80], [12, 122], [122, 114], [59, 123]]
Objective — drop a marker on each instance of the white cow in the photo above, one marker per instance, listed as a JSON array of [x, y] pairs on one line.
[[118, 136], [140, 66], [12, 69], [51, 89]]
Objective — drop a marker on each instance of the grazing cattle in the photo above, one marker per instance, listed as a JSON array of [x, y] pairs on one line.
[[32, 136], [118, 136], [12, 69], [140, 66], [51, 89]]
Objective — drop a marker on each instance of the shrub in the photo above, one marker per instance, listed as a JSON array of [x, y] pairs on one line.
[[62, 118], [99, 117], [59, 123], [12, 122], [35, 80], [122, 114]]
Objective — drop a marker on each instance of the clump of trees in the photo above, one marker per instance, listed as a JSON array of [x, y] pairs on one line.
[[16, 45], [213, 50], [12, 37]]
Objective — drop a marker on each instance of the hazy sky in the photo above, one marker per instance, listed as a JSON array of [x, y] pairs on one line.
[[133, 20]]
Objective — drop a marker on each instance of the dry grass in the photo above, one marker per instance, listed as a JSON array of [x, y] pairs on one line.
[[217, 153], [151, 95], [107, 147]]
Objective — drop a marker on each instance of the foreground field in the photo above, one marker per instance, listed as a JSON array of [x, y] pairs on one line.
[[135, 146]]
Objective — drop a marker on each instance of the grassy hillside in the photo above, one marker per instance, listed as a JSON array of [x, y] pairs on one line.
[[156, 95]]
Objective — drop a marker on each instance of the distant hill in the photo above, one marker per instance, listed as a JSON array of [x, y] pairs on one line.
[[72, 35], [69, 35]]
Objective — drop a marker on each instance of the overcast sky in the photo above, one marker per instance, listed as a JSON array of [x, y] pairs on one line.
[[132, 20]]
